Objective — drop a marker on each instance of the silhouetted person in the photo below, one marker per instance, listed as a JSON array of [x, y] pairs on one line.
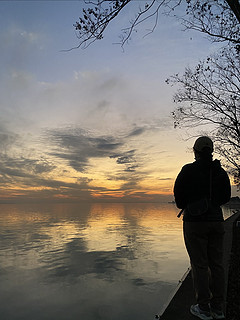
[[200, 189]]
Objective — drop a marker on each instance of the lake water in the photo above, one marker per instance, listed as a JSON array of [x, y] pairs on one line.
[[89, 262]]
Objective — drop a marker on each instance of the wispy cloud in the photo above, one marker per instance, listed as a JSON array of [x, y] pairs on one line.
[[64, 150], [77, 146], [23, 167], [63, 163]]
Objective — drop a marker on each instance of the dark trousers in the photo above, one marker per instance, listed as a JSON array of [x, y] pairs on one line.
[[204, 243]]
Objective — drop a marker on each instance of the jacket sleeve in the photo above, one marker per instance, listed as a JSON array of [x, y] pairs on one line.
[[180, 188], [222, 188]]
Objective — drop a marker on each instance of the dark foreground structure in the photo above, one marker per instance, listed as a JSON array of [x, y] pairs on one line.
[[184, 297], [233, 296]]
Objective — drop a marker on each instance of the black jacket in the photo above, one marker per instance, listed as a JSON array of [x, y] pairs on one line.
[[194, 183]]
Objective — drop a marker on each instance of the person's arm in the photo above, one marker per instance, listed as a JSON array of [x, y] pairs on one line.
[[180, 189], [221, 188], [225, 192]]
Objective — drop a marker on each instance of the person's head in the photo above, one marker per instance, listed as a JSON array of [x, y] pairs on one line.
[[203, 148]]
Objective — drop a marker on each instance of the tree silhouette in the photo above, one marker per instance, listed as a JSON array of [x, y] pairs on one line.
[[218, 19], [209, 94]]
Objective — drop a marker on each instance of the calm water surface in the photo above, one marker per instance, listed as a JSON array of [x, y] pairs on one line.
[[88, 262]]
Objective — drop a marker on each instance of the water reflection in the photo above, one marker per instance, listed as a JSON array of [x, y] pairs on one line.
[[99, 261]]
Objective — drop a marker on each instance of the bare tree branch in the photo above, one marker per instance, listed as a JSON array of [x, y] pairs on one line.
[[204, 98], [219, 19]]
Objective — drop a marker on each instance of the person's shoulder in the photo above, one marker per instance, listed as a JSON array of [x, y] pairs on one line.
[[216, 164], [217, 167], [188, 166]]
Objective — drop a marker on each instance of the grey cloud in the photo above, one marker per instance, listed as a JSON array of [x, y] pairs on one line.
[[130, 181], [77, 146], [22, 167], [128, 159], [7, 138], [103, 105], [131, 168], [110, 84], [18, 165], [125, 157], [108, 146], [43, 166], [137, 132], [118, 177], [57, 184], [132, 184]]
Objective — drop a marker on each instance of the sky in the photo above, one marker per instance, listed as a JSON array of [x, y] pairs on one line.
[[92, 124]]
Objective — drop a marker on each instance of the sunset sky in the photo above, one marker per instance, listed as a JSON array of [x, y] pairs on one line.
[[89, 124]]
